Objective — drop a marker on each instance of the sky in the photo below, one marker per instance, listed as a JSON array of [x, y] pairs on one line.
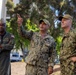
[[0, 7]]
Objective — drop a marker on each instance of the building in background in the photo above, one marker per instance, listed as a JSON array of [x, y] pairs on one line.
[[3, 9]]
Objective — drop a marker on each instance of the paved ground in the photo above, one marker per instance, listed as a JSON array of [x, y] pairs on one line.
[[18, 68]]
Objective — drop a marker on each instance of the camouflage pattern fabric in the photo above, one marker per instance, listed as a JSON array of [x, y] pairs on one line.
[[68, 49], [41, 53], [7, 43], [34, 70]]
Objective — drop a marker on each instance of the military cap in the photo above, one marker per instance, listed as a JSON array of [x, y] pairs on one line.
[[66, 16], [45, 21]]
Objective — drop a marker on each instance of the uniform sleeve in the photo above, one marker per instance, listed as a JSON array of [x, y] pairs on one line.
[[9, 45], [73, 48], [74, 45], [52, 55], [24, 33]]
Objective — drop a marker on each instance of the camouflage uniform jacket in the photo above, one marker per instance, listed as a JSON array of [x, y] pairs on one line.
[[68, 49], [7, 43], [42, 50]]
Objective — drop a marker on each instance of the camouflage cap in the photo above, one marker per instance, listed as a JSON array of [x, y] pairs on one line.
[[67, 16], [45, 21]]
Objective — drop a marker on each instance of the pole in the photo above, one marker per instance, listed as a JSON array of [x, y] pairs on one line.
[[3, 10]]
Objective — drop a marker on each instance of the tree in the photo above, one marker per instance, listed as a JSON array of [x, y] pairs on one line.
[[34, 10]]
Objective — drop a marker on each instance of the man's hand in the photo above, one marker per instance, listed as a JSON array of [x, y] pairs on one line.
[[73, 59], [19, 20], [50, 70]]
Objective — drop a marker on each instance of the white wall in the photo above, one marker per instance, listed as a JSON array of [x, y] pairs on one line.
[[3, 10], [0, 8]]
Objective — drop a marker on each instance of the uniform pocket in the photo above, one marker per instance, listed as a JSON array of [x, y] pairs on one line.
[[70, 67]]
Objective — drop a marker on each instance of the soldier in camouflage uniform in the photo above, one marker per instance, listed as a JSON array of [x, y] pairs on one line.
[[40, 59], [6, 45], [68, 47]]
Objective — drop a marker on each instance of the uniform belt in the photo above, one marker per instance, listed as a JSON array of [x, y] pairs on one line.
[[35, 65], [30, 64]]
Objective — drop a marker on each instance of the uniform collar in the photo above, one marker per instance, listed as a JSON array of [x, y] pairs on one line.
[[46, 36], [66, 35]]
